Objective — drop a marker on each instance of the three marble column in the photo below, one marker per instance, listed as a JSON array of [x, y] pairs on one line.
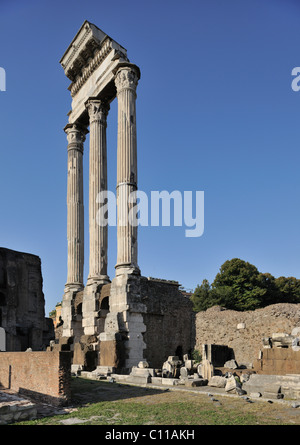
[[126, 80]]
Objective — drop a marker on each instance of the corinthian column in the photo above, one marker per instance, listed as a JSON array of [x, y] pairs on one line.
[[126, 80], [75, 219], [75, 223], [97, 110]]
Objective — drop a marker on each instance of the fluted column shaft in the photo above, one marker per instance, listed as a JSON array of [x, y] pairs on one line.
[[126, 81], [75, 216], [97, 111]]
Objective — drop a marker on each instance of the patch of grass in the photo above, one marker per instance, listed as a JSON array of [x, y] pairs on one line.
[[103, 403]]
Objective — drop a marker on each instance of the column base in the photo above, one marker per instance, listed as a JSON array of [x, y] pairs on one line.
[[73, 287], [100, 279], [127, 269]]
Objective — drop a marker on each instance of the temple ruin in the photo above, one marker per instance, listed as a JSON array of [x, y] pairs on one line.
[[23, 323], [118, 322]]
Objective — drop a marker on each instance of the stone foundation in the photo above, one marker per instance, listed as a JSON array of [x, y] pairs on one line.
[[15, 409], [138, 319], [148, 320]]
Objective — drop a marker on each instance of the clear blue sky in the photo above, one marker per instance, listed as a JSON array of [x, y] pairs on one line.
[[215, 112]]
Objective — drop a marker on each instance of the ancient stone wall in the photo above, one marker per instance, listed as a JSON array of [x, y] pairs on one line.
[[169, 321], [280, 361], [22, 303], [43, 376], [244, 331]]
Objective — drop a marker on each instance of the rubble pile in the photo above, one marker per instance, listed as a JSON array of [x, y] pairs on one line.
[[217, 369]]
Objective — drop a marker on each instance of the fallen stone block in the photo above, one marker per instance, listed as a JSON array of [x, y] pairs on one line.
[[156, 380], [295, 404], [282, 340], [196, 382], [143, 364], [296, 332], [217, 381], [119, 377], [140, 372], [139, 380], [231, 364], [255, 395], [169, 382], [104, 370], [272, 392], [233, 385], [241, 326]]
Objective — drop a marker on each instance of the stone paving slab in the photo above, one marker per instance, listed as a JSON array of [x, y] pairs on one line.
[[14, 408]]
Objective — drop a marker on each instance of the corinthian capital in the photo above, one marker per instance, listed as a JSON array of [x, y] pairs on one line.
[[98, 110], [75, 136], [126, 77]]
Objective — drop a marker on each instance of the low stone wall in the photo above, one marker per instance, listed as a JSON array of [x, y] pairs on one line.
[[244, 331], [42, 376], [280, 361]]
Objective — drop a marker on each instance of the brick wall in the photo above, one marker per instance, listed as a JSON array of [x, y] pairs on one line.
[[42, 375]]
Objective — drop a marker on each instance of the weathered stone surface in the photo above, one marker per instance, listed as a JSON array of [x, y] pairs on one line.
[[217, 381], [189, 364], [281, 340], [195, 382], [231, 364], [141, 372], [296, 331], [140, 380], [255, 395], [220, 326], [184, 373], [169, 381], [143, 364], [232, 385], [207, 370], [156, 380], [22, 303], [272, 391], [241, 326], [281, 361]]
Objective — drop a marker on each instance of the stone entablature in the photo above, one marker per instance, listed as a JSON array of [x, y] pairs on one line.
[[89, 63]]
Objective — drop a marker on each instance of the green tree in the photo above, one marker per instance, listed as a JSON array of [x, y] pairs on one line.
[[241, 287], [288, 289], [238, 285], [201, 297]]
